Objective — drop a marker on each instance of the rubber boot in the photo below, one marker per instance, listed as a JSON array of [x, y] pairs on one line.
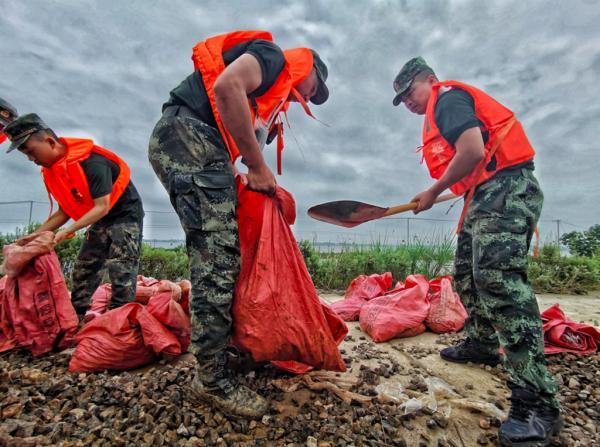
[[469, 351], [215, 384], [531, 421]]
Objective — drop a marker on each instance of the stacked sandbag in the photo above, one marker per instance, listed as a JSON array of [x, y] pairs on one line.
[[35, 305], [399, 313], [362, 289], [446, 312], [136, 334]]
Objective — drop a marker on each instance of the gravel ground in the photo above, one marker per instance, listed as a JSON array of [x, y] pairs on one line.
[[41, 403]]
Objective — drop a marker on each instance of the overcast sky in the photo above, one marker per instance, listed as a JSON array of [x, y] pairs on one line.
[[102, 69]]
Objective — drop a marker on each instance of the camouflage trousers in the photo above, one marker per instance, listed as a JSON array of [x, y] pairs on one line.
[[115, 248], [491, 278], [192, 162]]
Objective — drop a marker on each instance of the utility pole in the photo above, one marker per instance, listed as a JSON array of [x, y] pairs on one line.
[[30, 212], [557, 232], [408, 231]]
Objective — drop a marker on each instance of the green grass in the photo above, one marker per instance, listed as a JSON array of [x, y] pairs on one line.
[[335, 270]]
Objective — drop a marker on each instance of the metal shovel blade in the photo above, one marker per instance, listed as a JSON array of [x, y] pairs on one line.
[[346, 213]]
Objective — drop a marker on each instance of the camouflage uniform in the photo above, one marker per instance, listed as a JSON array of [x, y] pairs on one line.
[[491, 277], [192, 162], [115, 247]]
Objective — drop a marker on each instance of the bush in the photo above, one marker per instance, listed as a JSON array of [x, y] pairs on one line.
[[164, 263], [586, 243], [553, 273]]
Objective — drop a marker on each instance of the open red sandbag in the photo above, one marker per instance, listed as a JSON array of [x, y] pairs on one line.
[[166, 309], [276, 311], [398, 313], [124, 338], [564, 335], [20, 253], [360, 290], [35, 305], [145, 289], [446, 311]]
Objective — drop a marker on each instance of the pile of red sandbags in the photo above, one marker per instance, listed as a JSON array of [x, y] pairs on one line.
[[361, 289], [145, 289], [406, 310], [277, 313], [399, 313], [35, 305], [561, 334], [136, 334]]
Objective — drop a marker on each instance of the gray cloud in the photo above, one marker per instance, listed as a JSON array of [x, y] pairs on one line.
[[103, 69]]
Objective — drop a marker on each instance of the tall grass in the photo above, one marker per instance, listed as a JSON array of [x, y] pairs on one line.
[[334, 270]]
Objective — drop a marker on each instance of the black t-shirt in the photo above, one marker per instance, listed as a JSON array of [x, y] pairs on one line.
[[192, 93], [454, 113], [101, 174]]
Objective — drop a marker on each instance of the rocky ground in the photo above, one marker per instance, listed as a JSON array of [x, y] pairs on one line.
[[394, 394]]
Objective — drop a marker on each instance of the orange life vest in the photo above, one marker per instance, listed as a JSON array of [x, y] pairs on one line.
[[507, 139], [2, 137], [265, 110], [67, 182]]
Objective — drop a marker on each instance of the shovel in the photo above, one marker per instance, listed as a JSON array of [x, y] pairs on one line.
[[349, 213]]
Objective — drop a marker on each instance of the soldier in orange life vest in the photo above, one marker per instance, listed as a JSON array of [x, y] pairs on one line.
[[475, 146], [93, 188], [7, 114], [228, 107]]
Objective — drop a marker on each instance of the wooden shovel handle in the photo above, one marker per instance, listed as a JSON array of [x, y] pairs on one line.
[[413, 205]]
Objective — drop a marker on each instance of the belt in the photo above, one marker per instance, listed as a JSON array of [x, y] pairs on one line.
[[182, 111], [511, 171]]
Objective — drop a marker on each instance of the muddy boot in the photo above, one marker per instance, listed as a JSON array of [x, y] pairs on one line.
[[469, 351], [215, 384], [531, 422]]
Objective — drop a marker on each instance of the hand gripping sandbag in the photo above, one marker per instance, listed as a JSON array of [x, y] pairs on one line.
[[276, 311]]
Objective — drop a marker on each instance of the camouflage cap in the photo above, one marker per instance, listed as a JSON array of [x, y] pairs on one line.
[[19, 131], [322, 93], [7, 112], [406, 76]]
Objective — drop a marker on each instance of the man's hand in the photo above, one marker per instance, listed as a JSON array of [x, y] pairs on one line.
[[262, 180], [61, 236], [425, 200]]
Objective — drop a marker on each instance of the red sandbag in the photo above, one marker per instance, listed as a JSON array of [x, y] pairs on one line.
[[564, 335], [18, 255], [276, 310], [124, 338], [369, 287], [35, 305], [399, 313], [339, 331], [360, 290], [170, 313], [145, 289], [446, 312]]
